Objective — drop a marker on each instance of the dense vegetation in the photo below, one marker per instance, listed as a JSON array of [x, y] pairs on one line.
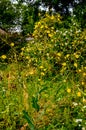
[[43, 81]]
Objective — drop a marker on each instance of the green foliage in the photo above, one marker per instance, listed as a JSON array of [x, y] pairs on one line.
[[46, 82], [27, 117], [29, 17], [60, 53], [8, 14], [60, 49], [35, 99], [45, 28], [80, 13], [35, 103]]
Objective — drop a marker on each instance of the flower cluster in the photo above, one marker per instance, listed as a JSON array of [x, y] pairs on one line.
[[45, 28]]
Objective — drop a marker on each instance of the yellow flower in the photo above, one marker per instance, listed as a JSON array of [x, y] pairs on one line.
[[69, 90], [64, 64], [46, 26], [79, 94], [22, 49], [39, 79], [59, 16], [27, 49], [58, 19], [41, 67], [44, 69], [59, 54], [52, 17], [82, 82], [50, 35], [84, 100], [31, 72], [64, 80], [52, 28], [79, 70], [21, 53], [42, 73], [27, 57], [39, 14], [12, 44], [77, 56], [75, 64], [48, 31], [48, 110], [3, 57], [84, 74], [67, 55], [42, 27]]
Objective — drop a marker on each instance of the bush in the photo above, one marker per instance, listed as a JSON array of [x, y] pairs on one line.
[[61, 52], [53, 65]]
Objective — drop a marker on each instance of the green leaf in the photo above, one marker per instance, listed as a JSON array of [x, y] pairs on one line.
[[35, 99], [35, 103], [45, 88], [29, 120]]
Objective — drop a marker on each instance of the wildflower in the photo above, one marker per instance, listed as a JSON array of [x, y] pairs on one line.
[[84, 74], [27, 49], [44, 69], [84, 100], [21, 54], [64, 80], [67, 55], [58, 20], [39, 14], [42, 27], [49, 110], [79, 94], [12, 44], [84, 106], [39, 23], [48, 31], [50, 35], [78, 120], [77, 56], [46, 26], [32, 71], [59, 16], [27, 57], [79, 70], [83, 128], [42, 73], [22, 48], [3, 57], [39, 79], [41, 67], [75, 64], [68, 90], [75, 103], [64, 64], [82, 82], [52, 28], [52, 17], [59, 54]]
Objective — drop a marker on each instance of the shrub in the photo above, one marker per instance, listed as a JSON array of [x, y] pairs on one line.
[[54, 67], [58, 55]]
